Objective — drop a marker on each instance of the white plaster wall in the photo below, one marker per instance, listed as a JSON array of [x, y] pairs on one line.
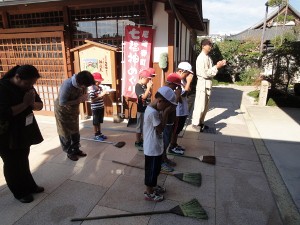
[[160, 21]]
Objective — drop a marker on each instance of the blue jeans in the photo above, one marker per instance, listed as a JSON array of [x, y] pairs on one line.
[[167, 134]]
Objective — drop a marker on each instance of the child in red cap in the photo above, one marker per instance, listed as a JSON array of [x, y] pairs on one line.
[[96, 94], [143, 93]]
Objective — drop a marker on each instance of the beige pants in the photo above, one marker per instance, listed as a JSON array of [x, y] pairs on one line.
[[201, 106]]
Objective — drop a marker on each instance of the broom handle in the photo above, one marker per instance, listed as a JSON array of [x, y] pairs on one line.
[[185, 156], [89, 139], [139, 167], [127, 164], [121, 215]]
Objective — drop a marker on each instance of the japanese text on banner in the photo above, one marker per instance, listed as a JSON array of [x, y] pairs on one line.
[[137, 53]]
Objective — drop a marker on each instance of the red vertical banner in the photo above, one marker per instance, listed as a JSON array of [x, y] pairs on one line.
[[137, 53]]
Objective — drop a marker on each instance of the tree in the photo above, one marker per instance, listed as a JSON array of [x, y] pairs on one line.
[[285, 59], [273, 3], [241, 55]]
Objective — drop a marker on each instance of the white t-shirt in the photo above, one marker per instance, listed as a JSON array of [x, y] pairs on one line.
[[153, 142]]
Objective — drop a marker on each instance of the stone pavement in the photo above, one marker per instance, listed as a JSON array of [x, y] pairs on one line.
[[255, 179]]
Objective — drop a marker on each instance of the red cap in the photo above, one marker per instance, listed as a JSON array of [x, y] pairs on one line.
[[97, 76], [174, 78], [146, 74], [152, 71]]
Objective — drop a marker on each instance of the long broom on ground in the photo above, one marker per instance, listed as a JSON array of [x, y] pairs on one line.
[[190, 209], [119, 144], [191, 178], [210, 159]]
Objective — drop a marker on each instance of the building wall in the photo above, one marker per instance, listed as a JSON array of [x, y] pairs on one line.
[[160, 21]]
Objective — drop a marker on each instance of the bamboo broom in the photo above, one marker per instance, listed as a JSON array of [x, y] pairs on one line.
[[191, 178], [210, 159], [191, 209], [119, 144]]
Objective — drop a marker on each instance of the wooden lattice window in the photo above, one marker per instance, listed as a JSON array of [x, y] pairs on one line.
[[38, 19], [105, 24], [43, 50]]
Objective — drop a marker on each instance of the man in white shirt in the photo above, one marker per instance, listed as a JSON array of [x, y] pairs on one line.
[[205, 71]]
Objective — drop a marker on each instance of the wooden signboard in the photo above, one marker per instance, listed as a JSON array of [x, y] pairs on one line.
[[96, 59]]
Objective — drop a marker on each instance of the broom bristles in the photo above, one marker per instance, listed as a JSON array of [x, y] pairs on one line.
[[191, 178], [210, 159], [190, 209]]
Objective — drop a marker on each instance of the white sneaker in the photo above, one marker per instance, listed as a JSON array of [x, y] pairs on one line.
[[176, 151], [193, 128]]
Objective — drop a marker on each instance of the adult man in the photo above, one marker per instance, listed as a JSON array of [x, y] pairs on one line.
[[205, 71], [66, 109]]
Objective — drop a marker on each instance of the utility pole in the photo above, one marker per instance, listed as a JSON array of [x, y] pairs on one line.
[[264, 29]]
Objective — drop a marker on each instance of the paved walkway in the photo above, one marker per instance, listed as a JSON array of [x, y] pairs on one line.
[[254, 182]]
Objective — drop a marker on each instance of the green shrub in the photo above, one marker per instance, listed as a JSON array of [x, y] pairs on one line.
[[248, 76], [271, 102], [254, 94], [217, 83]]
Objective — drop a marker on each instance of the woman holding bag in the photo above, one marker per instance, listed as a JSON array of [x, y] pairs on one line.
[[19, 129]]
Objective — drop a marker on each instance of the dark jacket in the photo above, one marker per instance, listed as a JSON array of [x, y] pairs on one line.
[[14, 134]]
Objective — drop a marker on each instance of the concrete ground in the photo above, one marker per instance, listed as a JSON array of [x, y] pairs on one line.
[[255, 180]]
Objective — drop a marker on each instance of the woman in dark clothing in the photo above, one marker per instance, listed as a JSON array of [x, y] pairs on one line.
[[72, 92], [19, 129]]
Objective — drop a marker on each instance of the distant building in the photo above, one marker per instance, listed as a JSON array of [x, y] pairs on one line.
[[274, 26]]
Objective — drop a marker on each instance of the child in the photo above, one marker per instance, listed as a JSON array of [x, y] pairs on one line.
[[173, 82], [154, 121], [143, 93], [185, 71], [96, 94]]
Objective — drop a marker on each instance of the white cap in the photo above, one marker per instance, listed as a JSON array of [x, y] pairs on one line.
[[185, 66], [168, 94]]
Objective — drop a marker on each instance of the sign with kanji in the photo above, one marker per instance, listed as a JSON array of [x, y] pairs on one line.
[[96, 59], [137, 53]]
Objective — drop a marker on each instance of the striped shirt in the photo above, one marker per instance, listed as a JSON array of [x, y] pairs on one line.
[[94, 92]]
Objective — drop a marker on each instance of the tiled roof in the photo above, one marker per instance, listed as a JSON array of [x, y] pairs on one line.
[[274, 14], [256, 34]]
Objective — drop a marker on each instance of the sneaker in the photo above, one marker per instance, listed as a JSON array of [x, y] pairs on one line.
[[176, 151], [180, 147], [103, 136], [81, 153], [73, 157], [159, 189], [166, 168], [98, 138], [203, 127], [155, 197], [193, 128], [139, 145]]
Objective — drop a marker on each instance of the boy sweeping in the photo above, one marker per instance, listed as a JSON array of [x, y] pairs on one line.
[[155, 118]]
